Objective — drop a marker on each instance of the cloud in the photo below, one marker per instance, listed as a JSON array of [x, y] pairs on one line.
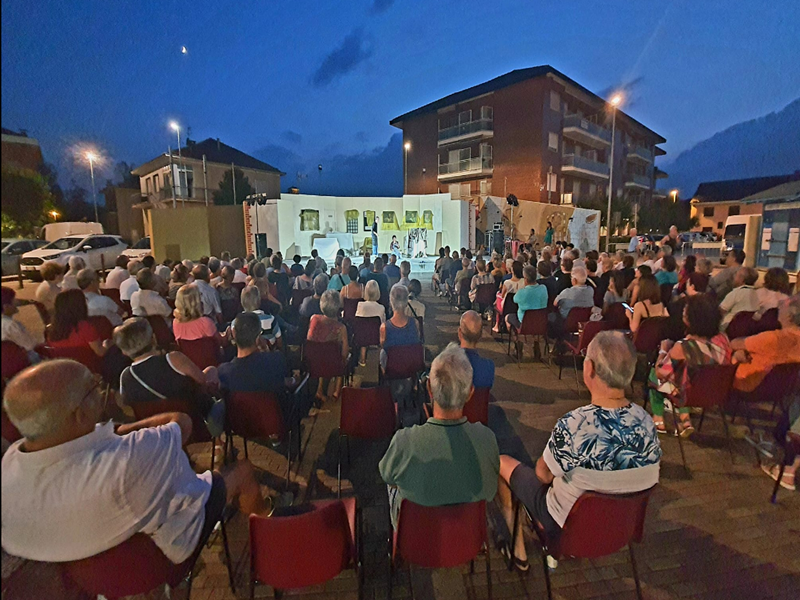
[[353, 51], [292, 137], [381, 6]]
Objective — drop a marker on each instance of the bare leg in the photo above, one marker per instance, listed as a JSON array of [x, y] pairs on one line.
[[320, 395], [240, 482], [507, 466]]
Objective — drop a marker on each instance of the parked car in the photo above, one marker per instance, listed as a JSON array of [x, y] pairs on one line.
[[54, 231], [139, 250], [96, 250], [13, 249]]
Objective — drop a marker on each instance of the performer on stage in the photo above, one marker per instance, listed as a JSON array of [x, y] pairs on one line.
[[394, 247], [375, 235]]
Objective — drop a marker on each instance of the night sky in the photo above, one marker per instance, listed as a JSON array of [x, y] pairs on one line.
[[307, 82]]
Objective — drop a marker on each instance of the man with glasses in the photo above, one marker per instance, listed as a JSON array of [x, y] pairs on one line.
[[75, 486]]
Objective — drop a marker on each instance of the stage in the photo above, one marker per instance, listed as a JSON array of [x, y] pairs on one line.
[[419, 266]]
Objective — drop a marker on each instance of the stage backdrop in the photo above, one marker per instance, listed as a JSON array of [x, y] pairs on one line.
[[292, 222]]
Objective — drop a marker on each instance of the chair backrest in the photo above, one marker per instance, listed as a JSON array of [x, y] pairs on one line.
[[598, 296], [602, 524], [161, 330], [366, 331], [534, 322], [742, 325], [709, 386], [576, 315], [477, 407], [239, 286], [299, 295], [255, 415], [102, 326], [44, 315], [112, 293], [231, 307], [81, 354], [440, 536], [324, 359], [302, 550], [617, 316], [203, 352], [768, 321], [485, 294], [778, 382], [349, 308], [367, 413], [403, 362], [14, 359], [650, 334], [509, 306], [144, 410], [666, 293], [136, 566], [589, 332], [421, 323]]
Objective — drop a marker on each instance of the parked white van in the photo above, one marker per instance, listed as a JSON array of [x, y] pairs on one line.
[[741, 233], [54, 231], [97, 251]]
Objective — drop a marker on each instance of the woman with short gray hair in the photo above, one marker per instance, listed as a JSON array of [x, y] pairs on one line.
[[327, 328], [400, 330]]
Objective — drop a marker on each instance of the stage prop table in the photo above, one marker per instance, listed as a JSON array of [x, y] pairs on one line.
[[328, 246]]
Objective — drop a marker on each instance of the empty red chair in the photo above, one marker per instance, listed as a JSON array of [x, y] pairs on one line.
[[136, 566], [576, 348], [477, 407], [404, 362], [204, 352], [366, 332], [112, 293], [367, 413], [575, 317], [534, 323], [485, 295], [617, 315], [597, 525], [324, 360], [306, 549], [650, 334], [164, 337], [440, 537], [742, 325], [14, 359]]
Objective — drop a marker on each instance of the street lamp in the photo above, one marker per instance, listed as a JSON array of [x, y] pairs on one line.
[[615, 101], [674, 194], [406, 148], [91, 157], [54, 214], [177, 129]]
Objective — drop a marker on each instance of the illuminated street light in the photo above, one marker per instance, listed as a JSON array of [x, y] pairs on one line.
[[674, 194], [615, 101], [177, 129], [54, 214], [406, 148], [92, 157]]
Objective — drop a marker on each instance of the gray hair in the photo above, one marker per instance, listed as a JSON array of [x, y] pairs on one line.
[[614, 358], [86, 277], [321, 284], [530, 274], [405, 268], [251, 298], [372, 291], [214, 264], [579, 274], [451, 378], [134, 337], [330, 303], [135, 266], [398, 298], [76, 263]]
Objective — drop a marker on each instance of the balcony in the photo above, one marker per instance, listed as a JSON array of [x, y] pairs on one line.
[[659, 194], [164, 194], [580, 166], [586, 132], [639, 154], [478, 129], [641, 182], [466, 168]]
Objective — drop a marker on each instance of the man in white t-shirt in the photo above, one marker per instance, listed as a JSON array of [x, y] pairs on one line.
[[118, 274], [97, 305], [130, 285], [73, 487], [208, 295]]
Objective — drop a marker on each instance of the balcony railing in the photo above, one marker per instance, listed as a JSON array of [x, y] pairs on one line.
[[641, 181], [578, 128], [580, 165], [479, 126], [469, 165], [639, 153], [165, 193]]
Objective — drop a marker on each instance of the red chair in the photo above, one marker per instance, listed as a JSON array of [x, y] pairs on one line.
[[597, 525], [742, 325], [477, 407], [617, 316], [768, 321], [349, 308], [258, 415], [136, 566], [666, 293], [776, 385], [404, 362], [44, 315], [298, 296], [324, 360], [306, 549], [534, 323], [708, 387], [367, 413], [485, 295], [112, 293], [437, 537], [102, 326], [81, 354], [649, 336], [204, 352], [14, 360], [575, 317], [366, 332], [239, 286], [578, 347], [164, 337]]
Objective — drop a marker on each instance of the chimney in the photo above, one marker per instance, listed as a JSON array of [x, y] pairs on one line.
[[219, 148]]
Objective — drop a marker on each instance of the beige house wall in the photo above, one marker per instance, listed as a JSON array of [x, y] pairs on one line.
[[716, 223], [196, 231]]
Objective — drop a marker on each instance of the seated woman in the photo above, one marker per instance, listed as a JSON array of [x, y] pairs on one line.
[[776, 289], [154, 375], [71, 328], [180, 277], [400, 330], [416, 308], [52, 274], [703, 345], [353, 290], [649, 303], [615, 293], [370, 308], [394, 247], [689, 266], [632, 289], [190, 323], [668, 274], [512, 284], [306, 280], [327, 328], [70, 281]]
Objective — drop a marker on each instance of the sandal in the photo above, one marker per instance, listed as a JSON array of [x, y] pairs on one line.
[[685, 428], [787, 481], [520, 565], [660, 427]]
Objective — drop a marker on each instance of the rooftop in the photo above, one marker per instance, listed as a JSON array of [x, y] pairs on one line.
[[738, 189], [785, 191]]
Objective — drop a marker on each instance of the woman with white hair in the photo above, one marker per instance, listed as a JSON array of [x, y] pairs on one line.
[[70, 281], [370, 307], [190, 323], [327, 328]]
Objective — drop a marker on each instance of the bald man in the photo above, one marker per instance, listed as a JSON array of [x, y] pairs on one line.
[[470, 330], [73, 487]]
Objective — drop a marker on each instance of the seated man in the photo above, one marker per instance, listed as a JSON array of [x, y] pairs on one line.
[[469, 334], [609, 446], [743, 297], [447, 460], [146, 301], [74, 487], [96, 304], [579, 295]]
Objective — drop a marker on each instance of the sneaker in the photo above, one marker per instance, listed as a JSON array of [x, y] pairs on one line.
[[787, 481]]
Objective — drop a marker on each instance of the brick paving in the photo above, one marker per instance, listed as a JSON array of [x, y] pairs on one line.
[[711, 533]]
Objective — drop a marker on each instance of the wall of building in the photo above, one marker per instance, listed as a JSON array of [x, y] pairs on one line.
[[196, 231], [123, 219], [716, 224], [21, 152]]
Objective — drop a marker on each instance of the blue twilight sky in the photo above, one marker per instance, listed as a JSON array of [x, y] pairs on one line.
[[318, 82]]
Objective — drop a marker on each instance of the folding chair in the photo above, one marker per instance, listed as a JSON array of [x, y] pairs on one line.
[[597, 525], [509, 307], [791, 448], [404, 362], [324, 360], [112, 293], [768, 321], [477, 407], [617, 316], [349, 308], [649, 336], [367, 413], [436, 537], [14, 359], [102, 326], [485, 295], [306, 549], [775, 386], [742, 325], [534, 323], [576, 316], [204, 352], [366, 332], [587, 333]]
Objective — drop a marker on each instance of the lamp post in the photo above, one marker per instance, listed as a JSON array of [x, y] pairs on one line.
[[177, 129], [54, 214], [674, 194], [615, 101], [406, 148], [91, 157]]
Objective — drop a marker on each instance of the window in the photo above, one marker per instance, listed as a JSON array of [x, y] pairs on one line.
[[147, 183], [555, 101], [369, 219], [707, 229], [719, 224], [185, 181], [309, 220], [708, 211], [486, 187], [455, 190], [733, 210], [464, 116], [552, 141], [156, 186], [486, 153], [552, 182], [487, 113], [351, 218]]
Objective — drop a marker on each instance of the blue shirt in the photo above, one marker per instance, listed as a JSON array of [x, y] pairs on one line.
[[482, 369], [259, 372], [392, 271], [337, 282], [670, 277], [531, 297]]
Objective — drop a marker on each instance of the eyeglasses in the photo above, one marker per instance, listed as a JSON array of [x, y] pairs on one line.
[[97, 383]]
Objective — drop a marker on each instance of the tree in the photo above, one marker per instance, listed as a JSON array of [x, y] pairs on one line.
[[659, 215], [224, 195], [600, 202], [124, 177], [26, 199]]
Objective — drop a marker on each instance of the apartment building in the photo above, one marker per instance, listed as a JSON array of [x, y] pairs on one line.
[[194, 174], [20, 151], [532, 132]]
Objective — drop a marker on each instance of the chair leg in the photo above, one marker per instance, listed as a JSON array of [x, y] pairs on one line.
[[339, 466], [516, 508], [189, 580], [244, 439], [288, 459], [778, 482], [546, 574], [727, 433], [680, 439], [347, 443], [577, 381], [488, 573], [228, 563], [635, 572], [213, 451], [252, 584], [703, 416]]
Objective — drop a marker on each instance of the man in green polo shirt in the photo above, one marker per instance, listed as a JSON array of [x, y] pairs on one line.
[[447, 460]]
